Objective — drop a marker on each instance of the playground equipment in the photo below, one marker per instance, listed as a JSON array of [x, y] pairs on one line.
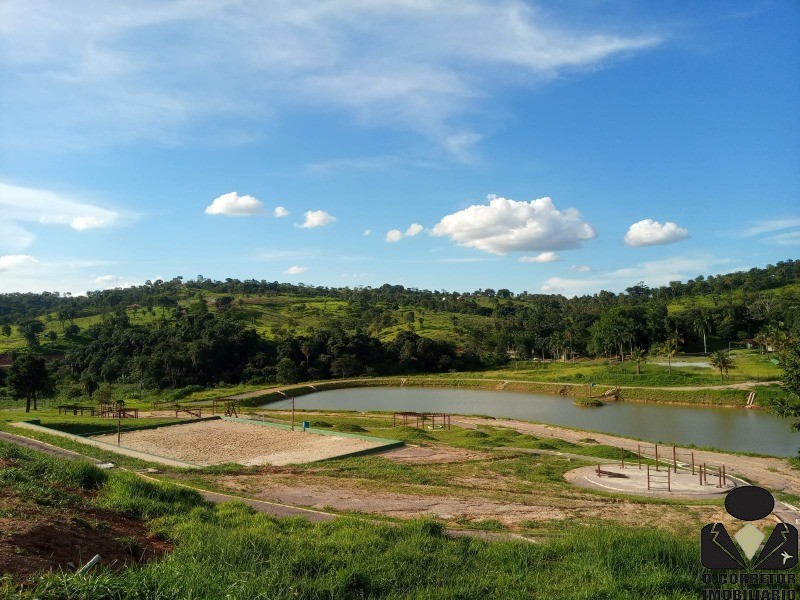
[[663, 466], [420, 418], [229, 407]]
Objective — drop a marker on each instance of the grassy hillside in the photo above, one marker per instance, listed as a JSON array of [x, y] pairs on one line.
[[228, 550]]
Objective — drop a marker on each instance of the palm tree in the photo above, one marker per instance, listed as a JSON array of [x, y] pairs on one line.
[[669, 348], [722, 361], [640, 356], [701, 325]]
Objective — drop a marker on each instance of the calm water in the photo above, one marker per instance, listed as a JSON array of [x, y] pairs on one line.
[[728, 428]]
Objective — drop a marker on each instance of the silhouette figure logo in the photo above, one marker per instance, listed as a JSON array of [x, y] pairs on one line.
[[749, 503]]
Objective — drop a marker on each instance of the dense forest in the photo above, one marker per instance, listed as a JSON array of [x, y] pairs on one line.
[[177, 333]]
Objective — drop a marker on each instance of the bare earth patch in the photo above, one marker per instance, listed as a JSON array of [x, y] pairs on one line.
[[217, 442], [35, 538], [347, 495], [418, 455]]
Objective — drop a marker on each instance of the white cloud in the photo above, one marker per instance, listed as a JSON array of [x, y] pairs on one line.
[[14, 238], [317, 218], [418, 65], [107, 282], [414, 229], [580, 268], [234, 205], [15, 261], [772, 225], [785, 239], [280, 212], [653, 273], [509, 225], [544, 257], [18, 203], [295, 270], [651, 233], [367, 232], [394, 235]]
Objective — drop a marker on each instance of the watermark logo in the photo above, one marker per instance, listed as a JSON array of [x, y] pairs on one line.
[[749, 552]]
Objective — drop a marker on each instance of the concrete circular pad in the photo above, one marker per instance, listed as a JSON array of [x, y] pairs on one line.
[[632, 480]]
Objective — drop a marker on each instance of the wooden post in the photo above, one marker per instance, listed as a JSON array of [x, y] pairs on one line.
[[705, 474], [648, 477], [292, 413], [656, 457], [622, 455], [674, 459], [719, 477], [700, 473], [724, 476], [692, 463], [669, 485], [639, 455]]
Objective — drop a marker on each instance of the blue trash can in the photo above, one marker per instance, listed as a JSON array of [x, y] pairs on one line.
[[306, 425]]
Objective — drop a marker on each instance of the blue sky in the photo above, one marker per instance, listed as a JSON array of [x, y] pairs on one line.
[[440, 145]]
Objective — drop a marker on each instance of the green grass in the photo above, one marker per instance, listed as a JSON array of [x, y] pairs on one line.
[[230, 552]]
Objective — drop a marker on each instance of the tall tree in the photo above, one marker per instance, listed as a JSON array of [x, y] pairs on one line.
[[723, 362], [701, 324], [789, 407], [639, 356], [29, 378], [668, 348]]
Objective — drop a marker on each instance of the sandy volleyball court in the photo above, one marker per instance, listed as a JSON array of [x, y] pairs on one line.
[[219, 441]]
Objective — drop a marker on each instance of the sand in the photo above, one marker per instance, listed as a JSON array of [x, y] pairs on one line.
[[216, 442]]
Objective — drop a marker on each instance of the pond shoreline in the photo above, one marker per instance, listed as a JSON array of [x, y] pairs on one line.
[[719, 397]]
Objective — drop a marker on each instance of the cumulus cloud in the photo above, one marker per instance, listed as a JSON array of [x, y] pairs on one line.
[[544, 257], [21, 204], [394, 235], [648, 232], [234, 205], [505, 225], [15, 261], [414, 229], [580, 268], [317, 218], [280, 212], [295, 270]]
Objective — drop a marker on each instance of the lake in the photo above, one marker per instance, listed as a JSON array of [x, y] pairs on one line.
[[735, 429]]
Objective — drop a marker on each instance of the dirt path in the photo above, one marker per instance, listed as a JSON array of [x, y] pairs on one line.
[[276, 509], [468, 505]]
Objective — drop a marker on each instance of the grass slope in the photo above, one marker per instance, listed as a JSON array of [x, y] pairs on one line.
[[229, 551]]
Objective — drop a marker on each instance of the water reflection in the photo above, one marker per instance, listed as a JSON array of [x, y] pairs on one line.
[[727, 428]]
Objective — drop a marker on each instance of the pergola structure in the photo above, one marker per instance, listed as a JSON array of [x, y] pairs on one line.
[[420, 418]]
